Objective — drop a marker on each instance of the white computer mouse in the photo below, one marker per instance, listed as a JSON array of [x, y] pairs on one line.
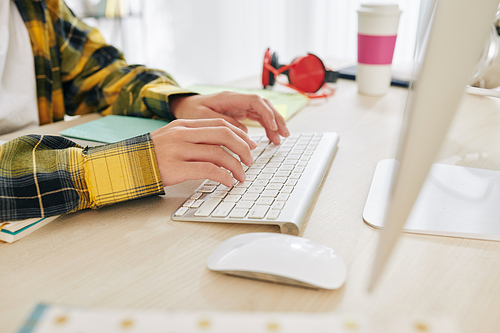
[[280, 258]]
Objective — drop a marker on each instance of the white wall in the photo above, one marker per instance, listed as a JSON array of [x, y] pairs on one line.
[[216, 41]]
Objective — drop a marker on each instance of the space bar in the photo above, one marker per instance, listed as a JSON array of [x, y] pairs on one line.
[[207, 207]]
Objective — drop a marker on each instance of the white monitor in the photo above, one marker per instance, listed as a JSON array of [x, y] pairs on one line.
[[451, 50]]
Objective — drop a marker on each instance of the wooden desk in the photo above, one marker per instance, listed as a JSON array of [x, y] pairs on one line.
[[132, 255]]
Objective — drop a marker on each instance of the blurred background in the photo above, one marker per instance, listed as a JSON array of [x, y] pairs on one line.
[[219, 41]]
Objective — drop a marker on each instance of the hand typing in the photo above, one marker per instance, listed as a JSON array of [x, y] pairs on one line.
[[232, 107], [191, 149]]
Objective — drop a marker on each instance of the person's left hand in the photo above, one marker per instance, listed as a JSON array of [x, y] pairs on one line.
[[232, 107]]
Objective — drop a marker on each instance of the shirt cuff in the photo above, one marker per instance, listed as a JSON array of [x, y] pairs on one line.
[[122, 171], [156, 98]]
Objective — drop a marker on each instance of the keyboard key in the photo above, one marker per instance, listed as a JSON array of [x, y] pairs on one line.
[[265, 176], [282, 197], [265, 201], [207, 189], [238, 190], [238, 213], [282, 173], [287, 167], [277, 159], [255, 189], [232, 198], [273, 214], [273, 164], [196, 195], [250, 178], [181, 211], [278, 205], [223, 209], [197, 203], [264, 159], [245, 204], [207, 207], [245, 184], [274, 186], [269, 193], [258, 212], [219, 194], [269, 170], [280, 180], [261, 182], [250, 196], [188, 203]]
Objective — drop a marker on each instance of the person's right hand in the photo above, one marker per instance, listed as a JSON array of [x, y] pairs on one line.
[[191, 149]]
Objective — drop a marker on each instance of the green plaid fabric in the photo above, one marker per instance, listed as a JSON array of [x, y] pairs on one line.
[[78, 73], [43, 175]]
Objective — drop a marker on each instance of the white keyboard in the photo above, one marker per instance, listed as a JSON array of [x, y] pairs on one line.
[[279, 189]]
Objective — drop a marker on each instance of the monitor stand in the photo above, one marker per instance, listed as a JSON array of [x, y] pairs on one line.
[[454, 201]]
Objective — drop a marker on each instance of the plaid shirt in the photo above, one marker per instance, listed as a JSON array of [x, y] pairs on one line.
[[78, 73]]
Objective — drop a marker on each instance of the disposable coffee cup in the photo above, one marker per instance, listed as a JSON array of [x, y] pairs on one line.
[[377, 32]]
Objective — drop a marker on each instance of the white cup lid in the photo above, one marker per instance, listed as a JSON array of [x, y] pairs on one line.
[[379, 9]]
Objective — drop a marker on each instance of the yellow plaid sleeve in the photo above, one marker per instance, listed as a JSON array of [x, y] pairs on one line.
[[121, 171], [43, 175], [77, 72], [96, 76]]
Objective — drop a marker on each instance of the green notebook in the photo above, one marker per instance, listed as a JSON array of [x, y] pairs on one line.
[[286, 104], [113, 128]]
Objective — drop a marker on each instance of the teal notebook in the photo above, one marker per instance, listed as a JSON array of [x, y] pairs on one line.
[[113, 128]]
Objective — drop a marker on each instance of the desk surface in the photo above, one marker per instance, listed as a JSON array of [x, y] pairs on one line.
[[133, 255]]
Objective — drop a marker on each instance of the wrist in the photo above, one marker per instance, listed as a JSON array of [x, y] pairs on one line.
[[175, 102]]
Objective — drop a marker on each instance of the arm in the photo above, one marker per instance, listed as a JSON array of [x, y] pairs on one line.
[[50, 175], [95, 76], [43, 175]]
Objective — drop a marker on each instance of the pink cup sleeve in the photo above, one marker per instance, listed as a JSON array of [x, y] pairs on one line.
[[376, 50]]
